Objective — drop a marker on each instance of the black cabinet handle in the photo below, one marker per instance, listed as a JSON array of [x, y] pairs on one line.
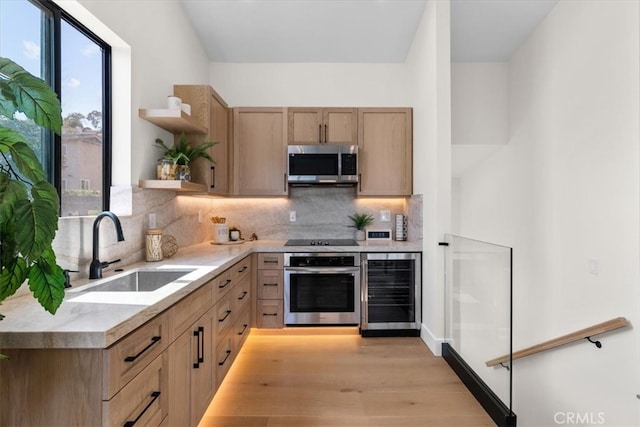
[[225, 284], [243, 269], [360, 181], [213, 177], [319, 134], [225, 358], [269, 314], [196, 334], [285, 183], [269, 284], [244, 294], [154, 397], [225, 316], [244, 328], [325, 134], [154, 340], [270, 261]]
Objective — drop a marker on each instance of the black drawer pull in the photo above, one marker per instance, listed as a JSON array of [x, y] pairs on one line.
[[133, 358], [269, 314], [270, 261], [225, 358], [269, 284], [225, 316], [225, 284], [243, 269], [244, 294], [154, 395], [244, 328]]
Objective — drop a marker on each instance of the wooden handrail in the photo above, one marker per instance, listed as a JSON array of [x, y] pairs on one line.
[[609, 325]]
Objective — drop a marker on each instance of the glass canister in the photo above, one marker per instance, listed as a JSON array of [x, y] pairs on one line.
[[154, 244]]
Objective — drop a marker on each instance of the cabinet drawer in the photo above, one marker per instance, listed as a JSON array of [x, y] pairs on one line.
[[270, 261], [241, 269], [224, 358], [224, 315], [221, 285], [241, 330], [125, 359], [270, 284], [241, 296], [270, 314], [143, 401], [189, 309]]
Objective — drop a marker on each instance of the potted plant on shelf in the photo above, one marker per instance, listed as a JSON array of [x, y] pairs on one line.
[[176, 160], [29, 205], [360, 222]]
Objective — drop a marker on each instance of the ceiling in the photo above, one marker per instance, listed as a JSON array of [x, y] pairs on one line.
[[375, 31]]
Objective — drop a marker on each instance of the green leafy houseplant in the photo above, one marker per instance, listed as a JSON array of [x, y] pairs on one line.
[[29, 206], [361, 220], [185, 152]]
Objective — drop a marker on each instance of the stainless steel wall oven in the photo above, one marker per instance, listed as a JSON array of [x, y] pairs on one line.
[[322, 288]]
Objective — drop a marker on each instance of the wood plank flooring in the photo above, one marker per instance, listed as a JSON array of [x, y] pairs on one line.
[[333, 377]]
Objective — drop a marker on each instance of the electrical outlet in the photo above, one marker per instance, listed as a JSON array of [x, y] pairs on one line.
[[385, 216], [200, 217], [152, 220], [292, 216]]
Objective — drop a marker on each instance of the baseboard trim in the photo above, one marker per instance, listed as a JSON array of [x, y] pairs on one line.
[[491, 403], [434, 344]]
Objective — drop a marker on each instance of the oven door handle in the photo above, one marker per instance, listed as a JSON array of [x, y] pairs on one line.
[[321, 270]]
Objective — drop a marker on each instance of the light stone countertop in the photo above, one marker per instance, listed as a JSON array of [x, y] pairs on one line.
[[99, 319]]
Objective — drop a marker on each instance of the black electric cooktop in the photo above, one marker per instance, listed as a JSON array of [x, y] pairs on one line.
[[321, 242]]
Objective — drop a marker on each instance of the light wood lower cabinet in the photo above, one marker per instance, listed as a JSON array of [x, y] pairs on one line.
[[163, 373], [270, 291]]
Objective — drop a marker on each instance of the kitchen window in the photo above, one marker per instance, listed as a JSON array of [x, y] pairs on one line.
[[51, 44]]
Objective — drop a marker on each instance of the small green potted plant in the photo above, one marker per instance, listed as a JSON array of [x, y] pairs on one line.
[[176, 160], [360, 222]]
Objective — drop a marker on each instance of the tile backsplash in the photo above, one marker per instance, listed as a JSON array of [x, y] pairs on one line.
[[320, 212]]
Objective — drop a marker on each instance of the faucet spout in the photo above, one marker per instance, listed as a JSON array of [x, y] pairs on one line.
[[95, 269]]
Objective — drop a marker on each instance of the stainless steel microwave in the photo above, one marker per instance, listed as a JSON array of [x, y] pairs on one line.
[[322, 164]]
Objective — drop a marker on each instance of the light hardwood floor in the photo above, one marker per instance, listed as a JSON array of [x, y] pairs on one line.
[[328, 377]]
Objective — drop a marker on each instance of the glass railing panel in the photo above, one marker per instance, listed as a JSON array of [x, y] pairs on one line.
[[478, 313]]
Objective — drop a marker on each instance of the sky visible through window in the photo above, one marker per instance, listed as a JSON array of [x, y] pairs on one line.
[[21, 41]]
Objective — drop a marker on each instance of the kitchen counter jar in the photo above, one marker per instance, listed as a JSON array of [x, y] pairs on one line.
[[154, 244]]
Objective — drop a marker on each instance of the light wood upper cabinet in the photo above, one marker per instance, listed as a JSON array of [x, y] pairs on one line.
[[385, 151], [259, 151], [211, 111], [322, 126]]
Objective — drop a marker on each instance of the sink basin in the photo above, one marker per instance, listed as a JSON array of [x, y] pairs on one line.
[[139, 281]]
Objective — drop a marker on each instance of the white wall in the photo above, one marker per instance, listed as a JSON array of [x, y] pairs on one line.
[[565, 191], [428, 68], [310, 85], [164, 51], [479, 103]]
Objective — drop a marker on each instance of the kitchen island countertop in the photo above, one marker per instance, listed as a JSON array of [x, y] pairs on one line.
[[99, 319]]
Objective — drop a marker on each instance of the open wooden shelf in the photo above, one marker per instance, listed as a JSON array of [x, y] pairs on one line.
[[172, 185], [174, 121]]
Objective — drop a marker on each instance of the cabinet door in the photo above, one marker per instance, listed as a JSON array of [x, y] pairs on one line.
[[385, 151], [259, 151], [209, 109], [192, 372], [305, 126], [340, 126]]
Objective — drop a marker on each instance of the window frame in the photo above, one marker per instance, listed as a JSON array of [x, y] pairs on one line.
[[53, 48]]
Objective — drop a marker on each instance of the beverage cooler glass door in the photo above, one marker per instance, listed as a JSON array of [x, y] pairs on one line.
[[391, 292]]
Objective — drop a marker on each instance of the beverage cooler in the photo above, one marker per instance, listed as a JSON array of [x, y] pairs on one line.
[[391, 294]]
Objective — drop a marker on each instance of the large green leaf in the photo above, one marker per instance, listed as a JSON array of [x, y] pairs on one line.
[[46, 281], [38, 221], [32, 95], [12, 277], [10, 192], [7, 100], [21, 154]]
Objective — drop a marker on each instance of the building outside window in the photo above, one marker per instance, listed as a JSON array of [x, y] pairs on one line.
[[50, 44]]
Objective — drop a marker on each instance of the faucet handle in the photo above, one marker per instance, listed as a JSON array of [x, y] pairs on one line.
[[108, 263]]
